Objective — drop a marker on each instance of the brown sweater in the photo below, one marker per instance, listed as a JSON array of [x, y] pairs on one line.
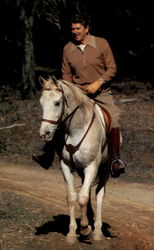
[[85, 67]]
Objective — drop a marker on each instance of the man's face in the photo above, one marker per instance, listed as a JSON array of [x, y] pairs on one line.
[[79, 32]]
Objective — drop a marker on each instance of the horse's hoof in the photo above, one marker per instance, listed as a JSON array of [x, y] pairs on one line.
[[71, 238], [85, 230], [86, 233], [97, 237], [88, 237]]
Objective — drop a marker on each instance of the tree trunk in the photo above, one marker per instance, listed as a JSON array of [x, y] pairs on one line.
[[28, 74]]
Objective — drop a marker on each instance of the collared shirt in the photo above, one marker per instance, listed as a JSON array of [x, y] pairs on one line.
[[94, 62], [82, 46]]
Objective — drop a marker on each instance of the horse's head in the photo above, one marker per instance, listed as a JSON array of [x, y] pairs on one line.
[[52, 104]]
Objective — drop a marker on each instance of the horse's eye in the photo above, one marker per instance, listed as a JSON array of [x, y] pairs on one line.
[[57, 103]]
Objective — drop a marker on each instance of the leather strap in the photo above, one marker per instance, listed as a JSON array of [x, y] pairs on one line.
[[71, 149], [107, 118]]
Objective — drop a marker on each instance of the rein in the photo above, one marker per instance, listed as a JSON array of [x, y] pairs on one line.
[[64, 101], [71, 149], [59, 121]]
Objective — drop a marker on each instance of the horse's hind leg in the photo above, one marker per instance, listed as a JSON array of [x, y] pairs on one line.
[[97, 235], [71, 200]]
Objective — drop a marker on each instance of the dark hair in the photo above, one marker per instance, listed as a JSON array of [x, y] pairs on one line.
[[82, 19]]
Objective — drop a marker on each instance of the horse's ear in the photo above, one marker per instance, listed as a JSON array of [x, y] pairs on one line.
[[48, 83], [54, 80], [41, 81]]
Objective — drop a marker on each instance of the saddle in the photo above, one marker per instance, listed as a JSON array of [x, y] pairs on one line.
[[107, 118], [106, 114]]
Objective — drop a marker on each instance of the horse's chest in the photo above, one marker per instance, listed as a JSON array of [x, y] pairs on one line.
[[76, 159]]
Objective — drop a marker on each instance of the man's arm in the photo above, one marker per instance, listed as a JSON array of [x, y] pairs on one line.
[[66, 71]]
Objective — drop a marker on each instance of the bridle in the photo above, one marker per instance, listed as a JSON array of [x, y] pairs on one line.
[[69, 147], [59, 121], [64, 101]]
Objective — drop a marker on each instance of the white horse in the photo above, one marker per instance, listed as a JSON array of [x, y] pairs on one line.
[[85, 148]]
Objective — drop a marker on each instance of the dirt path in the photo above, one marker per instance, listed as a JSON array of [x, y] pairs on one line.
[[34, 213]]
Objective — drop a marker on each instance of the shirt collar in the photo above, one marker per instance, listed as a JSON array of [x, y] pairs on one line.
[[91, 42]]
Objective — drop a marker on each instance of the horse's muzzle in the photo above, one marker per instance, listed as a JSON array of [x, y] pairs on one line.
[[46, 136]]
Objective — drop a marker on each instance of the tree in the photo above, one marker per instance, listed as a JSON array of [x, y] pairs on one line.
[[28, 10], [53, 12], [27, 77]]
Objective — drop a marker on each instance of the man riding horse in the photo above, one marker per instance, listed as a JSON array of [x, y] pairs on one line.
[[88, 63]]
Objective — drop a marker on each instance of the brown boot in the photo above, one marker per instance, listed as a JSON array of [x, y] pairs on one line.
[[45, 155], [42, 160], [117, 166]]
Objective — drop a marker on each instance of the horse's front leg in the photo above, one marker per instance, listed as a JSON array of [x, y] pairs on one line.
[[71, 200], [90, 174], [97, 235]]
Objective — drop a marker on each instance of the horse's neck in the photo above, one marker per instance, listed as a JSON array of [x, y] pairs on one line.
[[83, 110]]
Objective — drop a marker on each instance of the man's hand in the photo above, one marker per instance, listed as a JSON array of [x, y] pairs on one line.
[[93, 87]]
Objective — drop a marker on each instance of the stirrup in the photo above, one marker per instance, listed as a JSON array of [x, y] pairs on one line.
[[116, 172], [119, 162]]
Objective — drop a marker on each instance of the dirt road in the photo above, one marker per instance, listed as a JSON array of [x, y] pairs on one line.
[[34, 213]]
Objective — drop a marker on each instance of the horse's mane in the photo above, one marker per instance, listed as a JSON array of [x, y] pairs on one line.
[[81, 98]]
